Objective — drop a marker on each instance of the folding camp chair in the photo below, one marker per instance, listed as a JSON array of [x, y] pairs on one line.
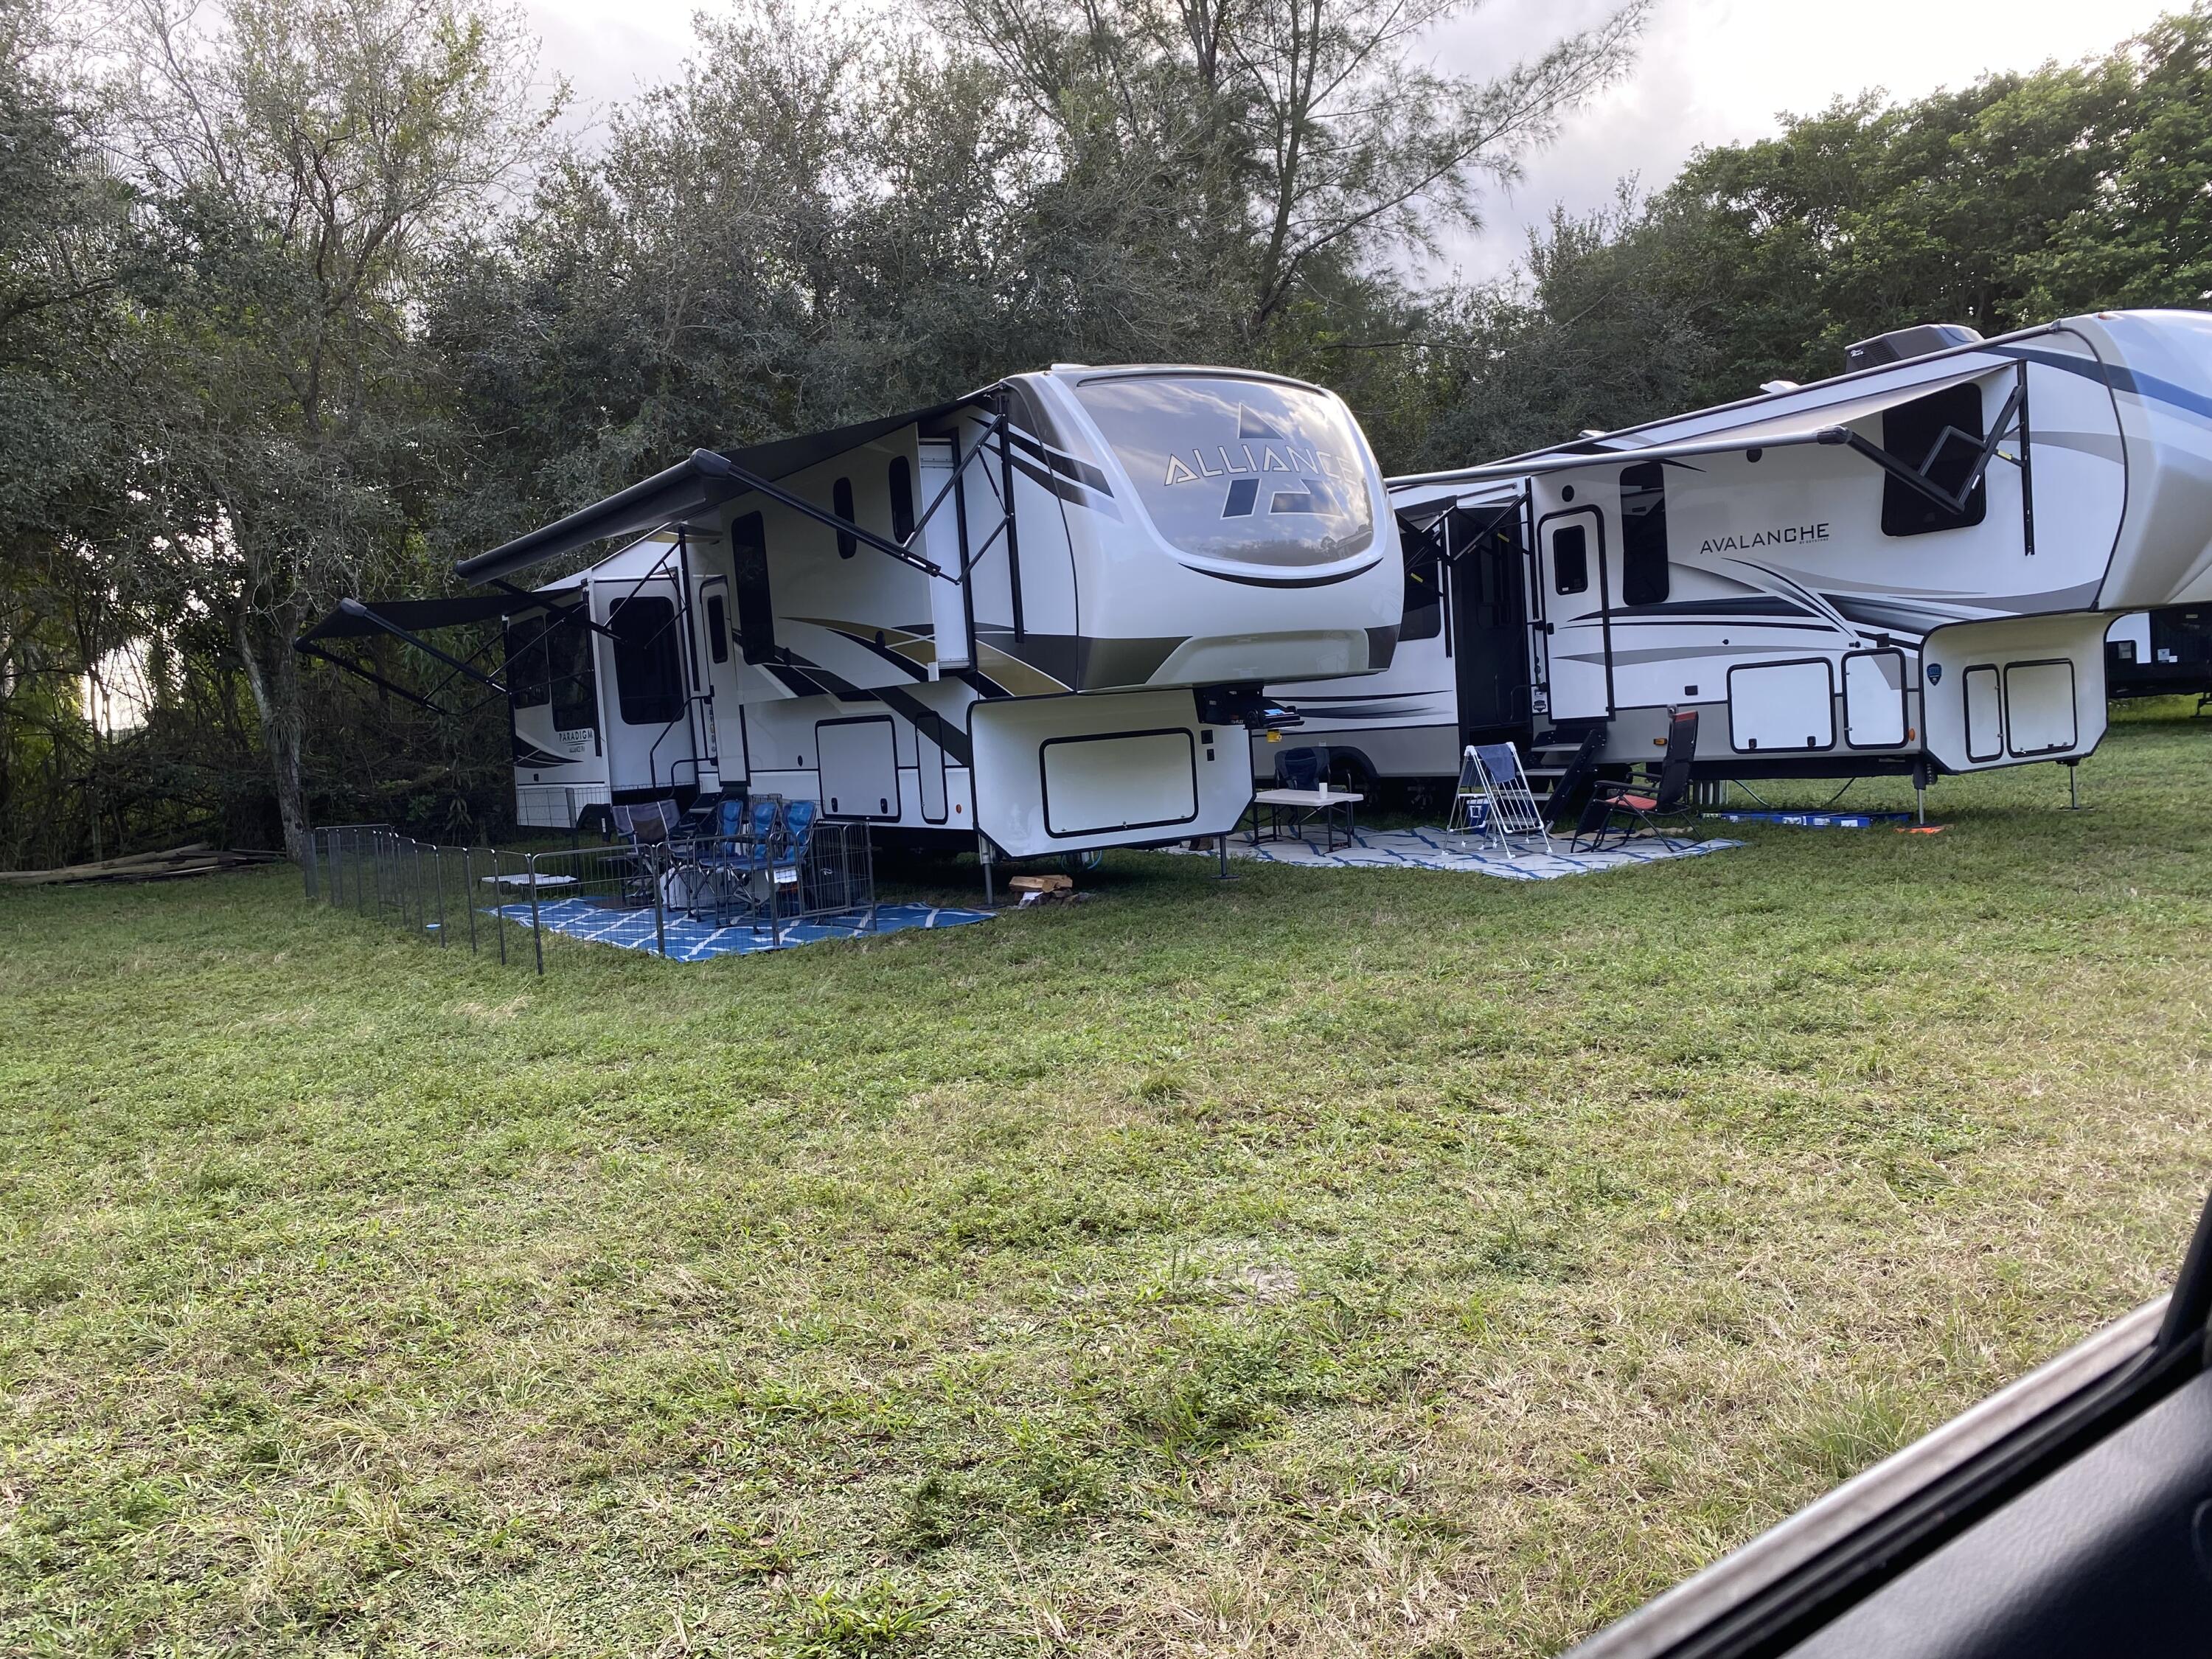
[[1571, 790], [1493, 773], [746, 848], [645, 826], [1644, 804], [1301, 769], [783, 857]]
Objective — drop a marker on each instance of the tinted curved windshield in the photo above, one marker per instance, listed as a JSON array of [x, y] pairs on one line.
[[1241, 472]]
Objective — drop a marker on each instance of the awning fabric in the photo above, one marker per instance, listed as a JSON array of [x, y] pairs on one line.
[[685, 493], [1808, 423], [416, 615]]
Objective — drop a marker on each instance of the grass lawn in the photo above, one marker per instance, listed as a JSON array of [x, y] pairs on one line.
[[1392, 1263]]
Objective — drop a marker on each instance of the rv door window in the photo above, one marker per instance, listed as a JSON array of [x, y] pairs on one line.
[[1940, 434], [902, 487], [576, 683], [525, 661], [1425, 603], [840, 503], [1571, 559], [1643, 578], [717, 627], [646, 678]]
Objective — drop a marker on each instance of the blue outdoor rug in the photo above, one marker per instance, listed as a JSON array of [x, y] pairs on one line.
[[1439, 849], [691, 940]]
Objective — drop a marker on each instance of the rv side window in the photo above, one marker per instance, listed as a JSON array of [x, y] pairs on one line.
[[645, 661], [569, 665], [1940, 434], [525, 661], [840, 503], [1643, 579], [902, 498], [717, 627], [1424, 602], [1571, 559]]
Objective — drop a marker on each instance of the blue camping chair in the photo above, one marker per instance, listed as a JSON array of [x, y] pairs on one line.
[[745, 845], [780, 858]]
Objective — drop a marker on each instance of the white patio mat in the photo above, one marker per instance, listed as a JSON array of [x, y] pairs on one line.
[[1439, 849]]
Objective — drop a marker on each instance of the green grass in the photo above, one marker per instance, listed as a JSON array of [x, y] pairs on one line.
[[1388, 1262]]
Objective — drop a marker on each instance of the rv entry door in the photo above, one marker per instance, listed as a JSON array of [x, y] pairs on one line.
[[941, 540], [1577, 633]]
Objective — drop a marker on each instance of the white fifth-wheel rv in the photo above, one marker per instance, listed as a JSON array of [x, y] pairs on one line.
[[1043, 612], [1910, 568]]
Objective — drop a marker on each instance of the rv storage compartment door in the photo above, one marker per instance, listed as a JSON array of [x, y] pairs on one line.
[[2040, 708], [1119, 781], [1059, 775], [1776, 707], [940, 544], [1874, 700], [860, 767]]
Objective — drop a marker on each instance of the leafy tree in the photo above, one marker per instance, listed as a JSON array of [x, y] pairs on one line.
[[1286, 134], [306, 155], [2017, 199]]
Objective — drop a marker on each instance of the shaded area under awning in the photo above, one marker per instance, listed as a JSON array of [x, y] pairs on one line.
[[686, 493]]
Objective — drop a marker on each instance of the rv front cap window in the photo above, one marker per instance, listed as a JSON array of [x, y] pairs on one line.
[[1239, 471]]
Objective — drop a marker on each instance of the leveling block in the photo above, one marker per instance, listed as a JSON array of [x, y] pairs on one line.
[[1815, 820]]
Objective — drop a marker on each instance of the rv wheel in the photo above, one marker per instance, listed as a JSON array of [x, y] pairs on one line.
[[1079, 864]]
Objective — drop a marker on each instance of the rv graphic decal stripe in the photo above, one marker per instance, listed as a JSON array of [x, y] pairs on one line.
[[932, 725], [1282, 581], [1061, 462], [910, 653], [1073, 493], [2118, 379], [1363, 711], [1365, 698], [1773, 624], [1765, 605]]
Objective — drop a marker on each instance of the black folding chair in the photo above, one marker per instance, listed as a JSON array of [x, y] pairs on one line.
[[1302, 768], [1641, 805], [1571, 790]]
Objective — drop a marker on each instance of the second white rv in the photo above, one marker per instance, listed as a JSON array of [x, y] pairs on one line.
[[1910, 568]]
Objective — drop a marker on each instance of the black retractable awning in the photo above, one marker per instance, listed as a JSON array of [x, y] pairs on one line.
[[352, 620], [686, 492]]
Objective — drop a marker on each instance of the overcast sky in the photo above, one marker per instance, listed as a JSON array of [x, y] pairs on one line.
[[1711, 72]]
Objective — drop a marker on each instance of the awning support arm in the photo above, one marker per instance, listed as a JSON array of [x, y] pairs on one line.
[[355, 608], [721, 467], [571, 613], [309, 649], [1916, 477]]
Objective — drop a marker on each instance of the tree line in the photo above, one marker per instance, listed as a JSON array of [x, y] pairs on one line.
[[306, 298]]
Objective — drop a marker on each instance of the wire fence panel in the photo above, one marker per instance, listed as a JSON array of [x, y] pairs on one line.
[[686, 897]]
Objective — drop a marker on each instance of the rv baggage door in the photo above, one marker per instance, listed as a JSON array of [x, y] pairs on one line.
[[941, 545], [1577, 634]]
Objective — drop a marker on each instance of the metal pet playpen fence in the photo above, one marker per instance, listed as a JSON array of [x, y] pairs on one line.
[[684, 897]]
